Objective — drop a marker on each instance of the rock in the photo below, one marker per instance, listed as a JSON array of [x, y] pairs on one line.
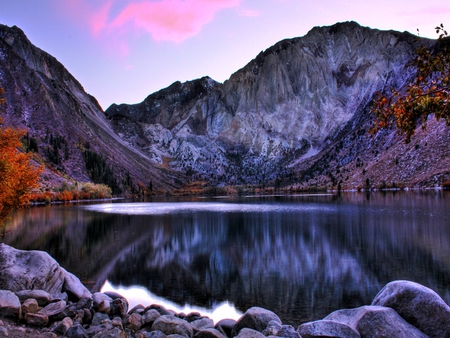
[[161, 309], [73, 286], [150, 316], [249, 333], [255, 318], [30, 306], [42, 297], [119, 307], [138, 309], [115, 332], [209, 333], [169, 324], [104, 307], [154, 334], [36, 270], [288, 331], [226, 325], [418, 305], [190, 317], [36, 319], [327, 328], [114, 295], [9, 303], [272, 328], [117, 321], [83, 303], [98, 318], [376, 321], [28, 270], [76, 331], [135, 321], [53, 309], [98, 297], [63, 326], [202, 323]]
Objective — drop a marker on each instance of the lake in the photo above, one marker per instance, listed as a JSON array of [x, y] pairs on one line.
[[300, 256]]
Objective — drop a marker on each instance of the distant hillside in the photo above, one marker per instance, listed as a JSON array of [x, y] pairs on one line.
[[297, 115]]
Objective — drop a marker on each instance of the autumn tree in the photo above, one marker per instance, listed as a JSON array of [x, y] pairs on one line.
[[427, 94], [17, 175]]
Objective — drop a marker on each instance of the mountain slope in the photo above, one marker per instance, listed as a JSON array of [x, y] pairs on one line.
[[46, 100], [301, 97]]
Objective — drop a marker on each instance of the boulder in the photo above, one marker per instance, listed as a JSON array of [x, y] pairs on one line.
[[9, 304], [418, 305], [327, 328], [63, 326], [150, 316], [135, 321], [375, 322], [288, 331], [250, 333], [169, 324], [76, 331], [36, 319], [255, 318], [36, 270], [226, 326], [209, 333], [202, 323]]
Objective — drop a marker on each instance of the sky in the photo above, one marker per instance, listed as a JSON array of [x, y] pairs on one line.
[[123, 50]]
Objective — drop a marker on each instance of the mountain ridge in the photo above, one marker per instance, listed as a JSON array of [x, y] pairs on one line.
[[295, 115]]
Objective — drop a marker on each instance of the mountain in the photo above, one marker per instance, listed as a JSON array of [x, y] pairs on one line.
[[66, 124], [297, 115]]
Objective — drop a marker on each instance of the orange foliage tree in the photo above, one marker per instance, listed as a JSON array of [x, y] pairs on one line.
[[427, 94], [17, 175]]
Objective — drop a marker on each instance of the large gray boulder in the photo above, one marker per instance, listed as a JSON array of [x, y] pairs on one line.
[[36, 270], [418, 305], [375, 322], [327, 328], [255, 318]]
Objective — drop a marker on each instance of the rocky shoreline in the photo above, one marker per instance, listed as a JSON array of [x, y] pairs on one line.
[[38, 298]]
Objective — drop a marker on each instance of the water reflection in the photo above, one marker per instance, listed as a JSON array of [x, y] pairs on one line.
[[301, 256]]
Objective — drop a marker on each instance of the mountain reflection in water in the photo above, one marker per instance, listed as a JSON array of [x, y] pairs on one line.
[[299, 256]]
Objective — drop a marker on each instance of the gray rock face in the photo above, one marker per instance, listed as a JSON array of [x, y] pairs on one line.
[[418, 305], [255, 318], [28, 270], [281, 106], [376, 321], [327, 328]]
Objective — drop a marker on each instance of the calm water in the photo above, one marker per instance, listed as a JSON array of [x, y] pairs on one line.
[[299, 256]]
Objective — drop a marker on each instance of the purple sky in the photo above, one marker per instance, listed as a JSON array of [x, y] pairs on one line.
[[123, 50]]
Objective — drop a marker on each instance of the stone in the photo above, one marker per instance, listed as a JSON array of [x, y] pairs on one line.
[[115, 332], [4, 332], [154, 334], [28, 270], [119, 307], [226, 325], [135, 321], [30, 306], [73, 286], [36, 319], [161, 309], [190, 317], [63, 326], [418, 305], [76, 331], [83, 303], [272, 328], [169, 324], [255, 318], [98, 318], [249, 333], [53, 309], [117, 321], [288, 331], [150, 316], [376, 321], [42, 297], [98, 297], [209, 333], [104, 306], [9, 303], [138, 309], [202, 323], [327, 328]]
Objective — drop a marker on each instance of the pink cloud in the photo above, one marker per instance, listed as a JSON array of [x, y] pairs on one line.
[[169, 20]]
